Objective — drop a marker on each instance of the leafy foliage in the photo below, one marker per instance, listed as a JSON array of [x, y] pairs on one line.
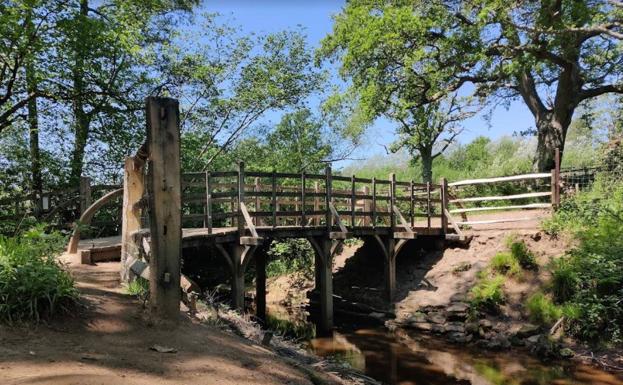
[[589, 279], [33, 283], [506, 264], [290, 255]]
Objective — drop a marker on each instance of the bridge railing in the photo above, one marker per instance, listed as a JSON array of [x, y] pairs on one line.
[[275, 199]]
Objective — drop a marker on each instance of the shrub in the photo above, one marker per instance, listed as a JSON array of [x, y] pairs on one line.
[[542, 310], [505, 264], [564, 280], [139, 288], [488, 293], [33, 283], [521, 253], [288, 256]]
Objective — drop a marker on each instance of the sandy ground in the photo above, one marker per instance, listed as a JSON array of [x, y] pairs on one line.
[[108, 343]]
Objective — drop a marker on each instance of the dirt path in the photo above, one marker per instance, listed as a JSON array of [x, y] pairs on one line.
[[108, 343]]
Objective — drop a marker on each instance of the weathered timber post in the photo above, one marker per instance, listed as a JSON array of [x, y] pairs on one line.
[[208, 211], [556, 181], [303, 186], [373, 202], [325, 249], [240, 217], [237, 257], [390, 248], [328, 183], [444, 205], [260, 284], [164, 198], [133, 190], [85, 193], [392, 200]]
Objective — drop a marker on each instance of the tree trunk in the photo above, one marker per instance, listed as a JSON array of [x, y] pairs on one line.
[[81, 119], [36, 182], [551, 134], [426, 154]]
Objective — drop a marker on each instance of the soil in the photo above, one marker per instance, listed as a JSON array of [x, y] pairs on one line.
[[108, 340]]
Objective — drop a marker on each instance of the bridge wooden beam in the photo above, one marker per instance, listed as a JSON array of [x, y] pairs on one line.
[[390, 246]]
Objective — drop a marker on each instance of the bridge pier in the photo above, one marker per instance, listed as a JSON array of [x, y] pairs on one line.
[[238, 257], [325, 249], [390, 246]]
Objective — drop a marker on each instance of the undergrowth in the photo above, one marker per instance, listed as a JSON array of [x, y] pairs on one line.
[[289, 256], [33, 284]]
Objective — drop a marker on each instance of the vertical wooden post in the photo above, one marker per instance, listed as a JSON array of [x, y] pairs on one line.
[[428, 213], [257, 188], [392, 200], [556, 181], [390, 269], [208, 219], [133, 190], [316, 203], [274, 198], [85, 193], [444, 205], [165, 215], [366, 205], [353, 201], [412, 203], [329, 182], [260, 285], [303, 180], [240, 217], [373, 202]]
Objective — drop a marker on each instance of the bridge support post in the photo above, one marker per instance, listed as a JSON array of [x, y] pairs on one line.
[[260, 285], [390, 247], [237, 257], [325, 249]]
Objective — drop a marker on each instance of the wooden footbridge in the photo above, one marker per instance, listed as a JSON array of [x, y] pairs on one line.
[[235, 212]]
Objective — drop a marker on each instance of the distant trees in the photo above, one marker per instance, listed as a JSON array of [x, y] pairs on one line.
[[427, 131], [552, 55]]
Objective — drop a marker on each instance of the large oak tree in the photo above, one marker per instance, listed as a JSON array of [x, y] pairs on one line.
[[552, 54]]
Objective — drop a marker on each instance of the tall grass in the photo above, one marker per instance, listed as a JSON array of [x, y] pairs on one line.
[[33, 283]]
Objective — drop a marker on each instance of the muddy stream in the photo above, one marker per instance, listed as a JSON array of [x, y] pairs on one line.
[[405, 358]]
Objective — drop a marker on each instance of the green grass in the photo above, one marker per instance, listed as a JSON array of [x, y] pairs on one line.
[[506, 264], [488, 294], [139, 287], [542, 309], [33, 284]]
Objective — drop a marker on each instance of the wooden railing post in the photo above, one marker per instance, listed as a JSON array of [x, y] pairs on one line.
[[329, 182], [303, 180], [373, 202], [412, 203], [428, 211], [257, 188], [556, 181], [164, 197], [239, 217], [444, 205], [85, 193], [353, 200], [392, 200], [274, 198], [366, 205], [316, 203], [208, 218]]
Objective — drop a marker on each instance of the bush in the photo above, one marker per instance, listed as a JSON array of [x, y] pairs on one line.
[[290, 255], [589, 279], [33, 283], [488, 293], [520, 252], [542, 310], [505, 264]]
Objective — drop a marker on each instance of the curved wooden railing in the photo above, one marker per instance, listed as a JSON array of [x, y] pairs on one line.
[[87, 216]]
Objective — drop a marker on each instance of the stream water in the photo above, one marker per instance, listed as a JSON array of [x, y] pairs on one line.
[[401, 358]]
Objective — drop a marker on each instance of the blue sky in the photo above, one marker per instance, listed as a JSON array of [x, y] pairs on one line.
[[315, 17]]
